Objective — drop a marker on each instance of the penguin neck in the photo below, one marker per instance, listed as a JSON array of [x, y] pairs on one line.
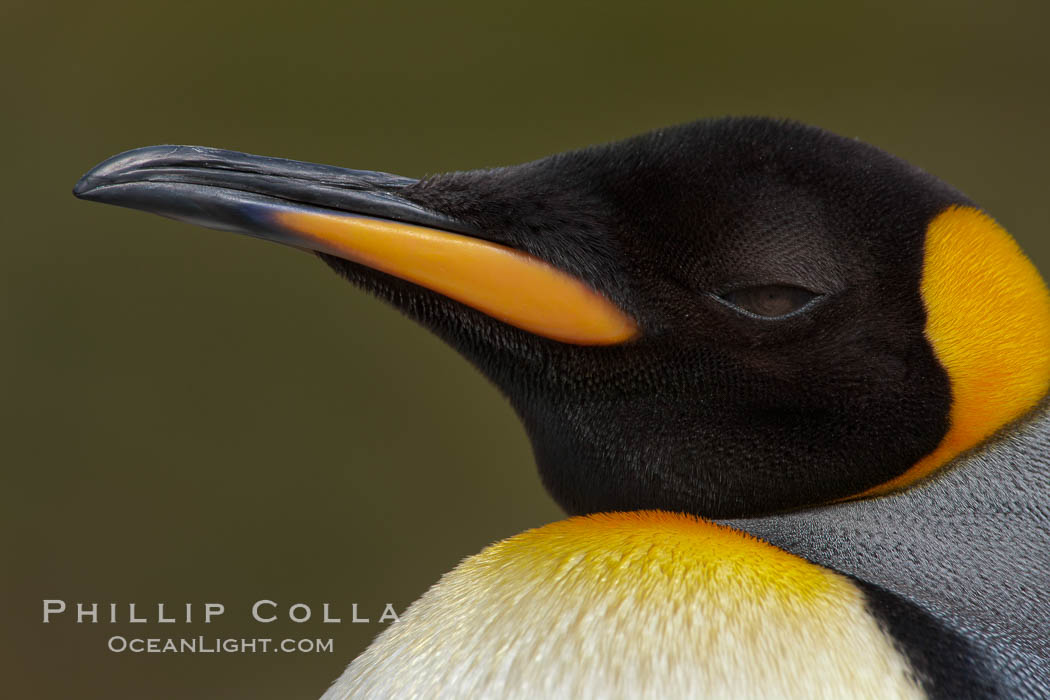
[[970, 546]]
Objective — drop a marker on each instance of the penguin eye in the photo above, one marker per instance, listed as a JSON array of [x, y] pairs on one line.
[[769, 300]]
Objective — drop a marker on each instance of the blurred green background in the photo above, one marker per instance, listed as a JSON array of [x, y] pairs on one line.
[[191, 416]]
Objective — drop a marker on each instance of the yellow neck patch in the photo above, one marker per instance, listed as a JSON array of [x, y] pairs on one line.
[[988, 321], [669, 548], [634, 605]]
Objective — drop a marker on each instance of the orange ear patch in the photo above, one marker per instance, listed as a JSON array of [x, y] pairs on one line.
[[988, 321]]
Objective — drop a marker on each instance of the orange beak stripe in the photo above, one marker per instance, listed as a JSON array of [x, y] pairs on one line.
[[504, 283]]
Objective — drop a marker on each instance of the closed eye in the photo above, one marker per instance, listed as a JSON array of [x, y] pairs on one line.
[[769, 300]]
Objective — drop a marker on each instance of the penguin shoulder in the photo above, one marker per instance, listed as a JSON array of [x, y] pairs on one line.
[[640, 604]]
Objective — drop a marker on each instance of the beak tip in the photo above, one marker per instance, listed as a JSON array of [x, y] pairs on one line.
[[115, 168], [83, 188]]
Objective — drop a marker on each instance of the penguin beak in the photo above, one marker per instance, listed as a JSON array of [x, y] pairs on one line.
[[359, 216]]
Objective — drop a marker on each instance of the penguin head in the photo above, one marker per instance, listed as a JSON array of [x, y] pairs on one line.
[[731, 317]]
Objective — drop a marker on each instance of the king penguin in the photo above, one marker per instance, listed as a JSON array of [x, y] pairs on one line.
[[790, 389]]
